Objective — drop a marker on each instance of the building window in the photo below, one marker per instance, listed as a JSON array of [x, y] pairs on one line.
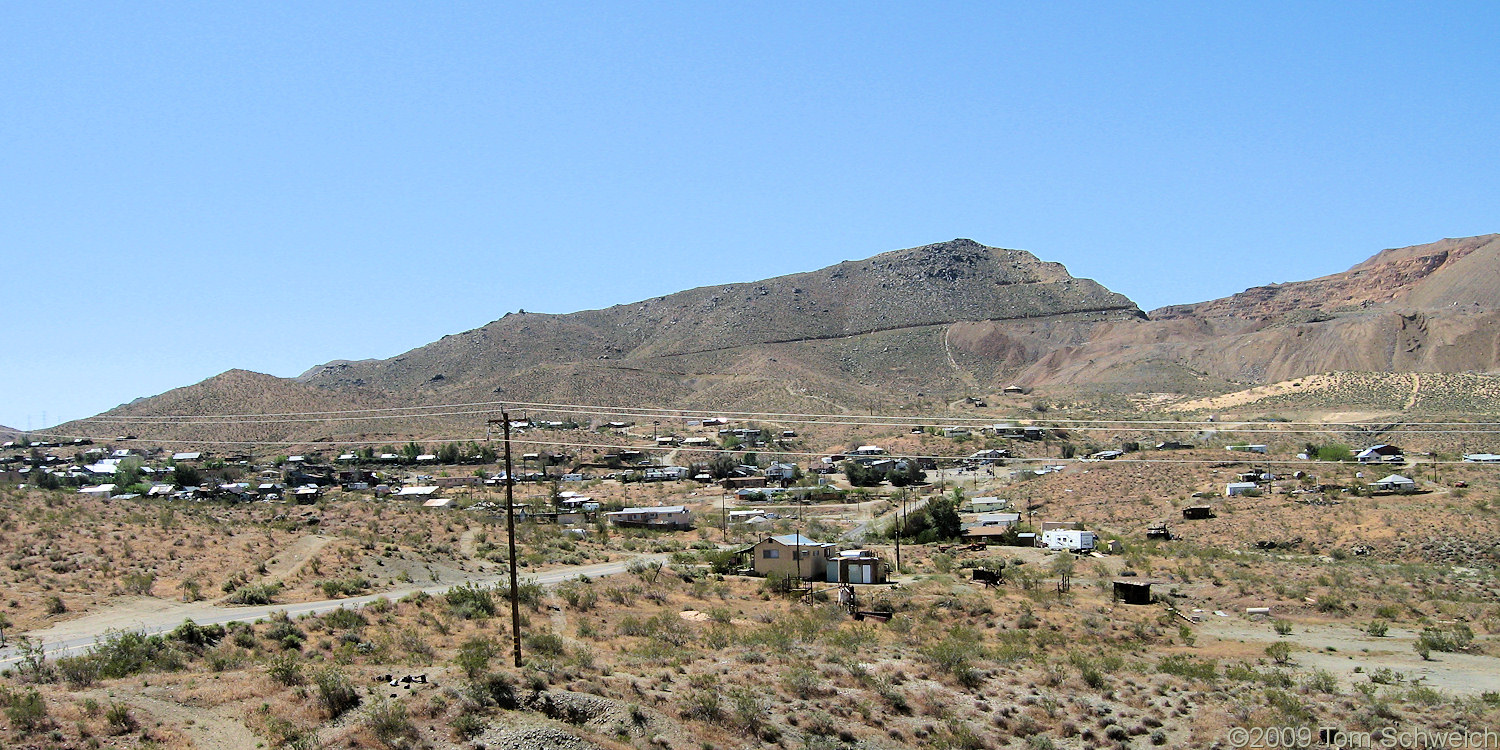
[[771, 554]]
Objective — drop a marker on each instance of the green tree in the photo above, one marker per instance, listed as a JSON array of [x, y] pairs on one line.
[[861, 475], [942, 515], [186, 476], [44, 480], [906, 473], [127, 472], [722, 466], [448, 453], [1334, 452], [411, 450]]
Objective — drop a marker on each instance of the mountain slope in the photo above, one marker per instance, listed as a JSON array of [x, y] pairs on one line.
[[916, 327], [1425, 308], [649, 349], [874, 331]]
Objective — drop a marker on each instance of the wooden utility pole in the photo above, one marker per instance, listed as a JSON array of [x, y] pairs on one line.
[[900, 528], [510, 532]]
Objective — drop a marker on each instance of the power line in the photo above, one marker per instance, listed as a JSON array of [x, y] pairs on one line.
[[689, 413], [1239, 459], [1268, 428]]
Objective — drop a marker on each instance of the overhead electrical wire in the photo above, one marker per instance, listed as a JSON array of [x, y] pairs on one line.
[[688, 413], [1254, 458]]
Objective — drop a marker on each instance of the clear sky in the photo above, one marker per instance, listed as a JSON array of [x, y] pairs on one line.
[[191, 187]]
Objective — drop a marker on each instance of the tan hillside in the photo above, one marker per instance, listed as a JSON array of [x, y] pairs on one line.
[[1428, 308], [917, 328]]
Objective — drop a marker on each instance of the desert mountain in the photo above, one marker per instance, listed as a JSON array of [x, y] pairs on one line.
[[1426, 308], [916, 327]]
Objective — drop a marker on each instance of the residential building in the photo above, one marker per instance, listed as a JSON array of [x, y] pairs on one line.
[[791, 555], [655, 517]]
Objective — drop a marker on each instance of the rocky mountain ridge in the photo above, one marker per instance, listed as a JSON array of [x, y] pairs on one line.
[[910, 327]]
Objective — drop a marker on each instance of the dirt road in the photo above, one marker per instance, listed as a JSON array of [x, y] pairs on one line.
[[158, 615]]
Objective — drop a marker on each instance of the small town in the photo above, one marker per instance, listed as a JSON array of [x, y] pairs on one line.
[[707, 376]]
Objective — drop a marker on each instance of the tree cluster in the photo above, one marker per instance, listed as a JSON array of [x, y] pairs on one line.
[[901, 474]]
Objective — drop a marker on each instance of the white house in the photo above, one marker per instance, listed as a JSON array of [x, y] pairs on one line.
[[1003, 520], [987, 504], [1239, 488], [417, 492], [1071, 540], [1255, 448], [655, 517], [187, 456], [1377, 453], [987, 456], [1394, 483], [780, 472], [868, 450], [1482, 458], [666, 473]]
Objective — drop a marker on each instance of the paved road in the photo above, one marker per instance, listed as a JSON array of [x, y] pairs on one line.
[[81, 633]]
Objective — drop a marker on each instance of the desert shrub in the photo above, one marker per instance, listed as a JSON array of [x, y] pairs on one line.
[[748, 709], [285, 669], [1088, 670], [344, 619], [55, 606], [388, 721], [474, 657], [1280, 652], [1282, 627], [197, 637], [801, 681], [1191, 667], [1320, 681], [78, 671], [702, 701], [467, 726], [580, 596], [255, 594], [119, 719], [496, 688], [471, 601], [285, 633], [1447, 638], [1378, 628], [546, 644], [138, 583], [953, 655], [336, 694], [27, 710], [1332, 603], [121, 653], [340, 587], [721, 562]]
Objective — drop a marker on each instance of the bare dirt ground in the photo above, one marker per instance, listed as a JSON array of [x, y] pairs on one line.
[[1342, 648]]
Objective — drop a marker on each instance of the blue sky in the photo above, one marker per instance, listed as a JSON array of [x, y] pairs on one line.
[[194, 187]]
